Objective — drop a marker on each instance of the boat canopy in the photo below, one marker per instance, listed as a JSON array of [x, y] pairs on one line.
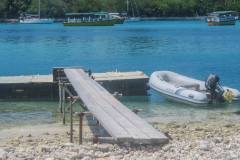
[[89, 13], [220, 13]]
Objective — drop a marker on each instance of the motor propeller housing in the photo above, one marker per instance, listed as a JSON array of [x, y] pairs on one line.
[[213, 87]]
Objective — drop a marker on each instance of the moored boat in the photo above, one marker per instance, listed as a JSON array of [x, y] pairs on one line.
[[89, 19], [132, 18], [36, 19], [120, 19], [221, 18], [191, 91]]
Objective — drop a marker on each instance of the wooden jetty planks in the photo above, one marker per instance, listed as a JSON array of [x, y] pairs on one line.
[[108, 122], [147, 129], [134, 131], [117, 119], [121, 120]]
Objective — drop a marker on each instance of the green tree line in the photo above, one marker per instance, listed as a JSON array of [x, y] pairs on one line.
[[146, 8]]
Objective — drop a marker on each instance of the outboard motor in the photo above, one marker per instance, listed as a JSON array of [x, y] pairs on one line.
[[213, 87]]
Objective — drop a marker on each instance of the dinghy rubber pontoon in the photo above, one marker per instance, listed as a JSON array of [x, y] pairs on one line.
[[191, 91]]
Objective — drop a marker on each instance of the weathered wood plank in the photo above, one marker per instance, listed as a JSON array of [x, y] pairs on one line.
[[152, 133], [121, 120], [117, 119], [108, 122]]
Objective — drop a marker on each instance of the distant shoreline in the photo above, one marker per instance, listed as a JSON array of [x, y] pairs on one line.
[[141, 19], [171, 18]]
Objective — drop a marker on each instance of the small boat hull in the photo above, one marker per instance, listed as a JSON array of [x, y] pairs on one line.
[[132, 19], [36, 21], [96, 23], [221, 23], [120, 21], [182, 89], [180, 99]]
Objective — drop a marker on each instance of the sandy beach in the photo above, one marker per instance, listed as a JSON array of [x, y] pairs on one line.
[[191, 140]]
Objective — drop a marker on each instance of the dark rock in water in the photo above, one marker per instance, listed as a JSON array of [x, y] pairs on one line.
[[237, 112], [173, 125], [229, 125]]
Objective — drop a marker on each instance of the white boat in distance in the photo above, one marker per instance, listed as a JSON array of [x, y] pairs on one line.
[[186, 90], [133, 18], [35, 19], [222, 18]]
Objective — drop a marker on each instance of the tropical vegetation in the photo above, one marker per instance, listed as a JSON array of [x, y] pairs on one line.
[[149, 8]]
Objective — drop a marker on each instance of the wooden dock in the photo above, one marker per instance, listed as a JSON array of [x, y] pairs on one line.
[[119, 121], [132, 83], [31, 86]]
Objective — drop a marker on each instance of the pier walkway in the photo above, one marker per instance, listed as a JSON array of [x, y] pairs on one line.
[[119, 121]]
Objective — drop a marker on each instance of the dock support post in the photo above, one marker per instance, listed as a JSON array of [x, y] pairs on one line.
[[72, 100], [71, 119], [80, 115], [60, 98], [63, 103], [60, 92]]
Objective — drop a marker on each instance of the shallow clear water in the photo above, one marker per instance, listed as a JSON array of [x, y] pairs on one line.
[[187, 47]]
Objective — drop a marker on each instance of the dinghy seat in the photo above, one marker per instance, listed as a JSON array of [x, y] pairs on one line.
[[194, 86]]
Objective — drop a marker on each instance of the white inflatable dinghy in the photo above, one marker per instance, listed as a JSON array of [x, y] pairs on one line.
[[188, 90]]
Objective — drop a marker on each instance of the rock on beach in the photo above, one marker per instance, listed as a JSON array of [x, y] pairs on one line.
[[189, 141], [2, 154], [204, 145]]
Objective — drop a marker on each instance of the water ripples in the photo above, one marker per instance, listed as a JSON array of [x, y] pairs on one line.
[[187, 47]]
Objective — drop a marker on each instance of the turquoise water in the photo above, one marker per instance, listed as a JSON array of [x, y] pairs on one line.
[[187, 47]]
